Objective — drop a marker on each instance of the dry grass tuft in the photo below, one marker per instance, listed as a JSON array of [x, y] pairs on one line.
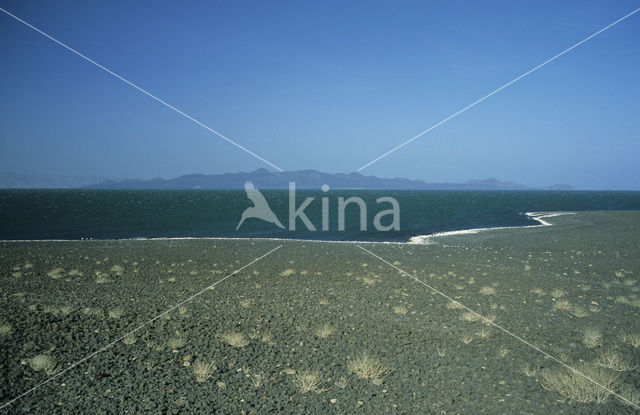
[[454, 305], [575, 387], [368, 280], [203, 370], [367, 367], [44, 362], [612, 360], [177, 342], [325, 331], [400, 309], [469, 316], [466, 338], [235, 339], [102, 278], [579, 311], [557, 293], [288, 272], [484, 333], [529, 371], [56, 273], [503, 351], [487, 290], [308, 381], [117, 269], [562, 305], [630, 394], [632, 339], [130, 338], [5, 329], [592, 338], [92, 312], [116, 313]]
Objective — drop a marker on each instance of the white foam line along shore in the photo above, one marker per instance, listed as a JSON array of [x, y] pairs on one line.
[[537, 216], [494, 92], [142, 90], [487, 321], [84, 359]]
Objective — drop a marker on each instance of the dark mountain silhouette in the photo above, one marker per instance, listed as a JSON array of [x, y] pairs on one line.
[[306, 179]]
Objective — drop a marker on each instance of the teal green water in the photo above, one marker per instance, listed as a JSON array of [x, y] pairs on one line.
[[115, 214]]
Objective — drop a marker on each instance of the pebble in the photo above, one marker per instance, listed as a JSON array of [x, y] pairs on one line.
[[289, 371]]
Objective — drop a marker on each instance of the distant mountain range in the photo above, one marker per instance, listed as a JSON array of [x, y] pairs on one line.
[[307, 179]]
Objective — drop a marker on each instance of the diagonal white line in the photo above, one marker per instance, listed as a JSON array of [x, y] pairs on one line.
[[84, 359], [500, 328], [495, 91], [141, 90]]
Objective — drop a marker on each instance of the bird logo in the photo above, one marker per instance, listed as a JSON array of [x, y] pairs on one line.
[[260, 208]]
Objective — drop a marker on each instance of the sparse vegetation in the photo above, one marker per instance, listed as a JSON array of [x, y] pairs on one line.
[[203, 370], [469, 316], [483, 333], [400, 309], [632, 339], [579, 311], [325, 331], [367, 367], [575, 386], [45, 363], [630, 394], [341, 383], [130, 338], [529, 371], [56, 273], [466, 338], [454, 305], [235, 339], [177, 342], [503, 351], [592, 338], [368, 280], [308, 381], [93, 312], [5, 329], [287, 272], [562, 305], [117, 269], [488, 319], [614, 361], [116, 312], [487, 290], [102, 278]]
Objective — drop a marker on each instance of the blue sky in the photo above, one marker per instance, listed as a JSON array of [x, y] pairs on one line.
[[324, 85]]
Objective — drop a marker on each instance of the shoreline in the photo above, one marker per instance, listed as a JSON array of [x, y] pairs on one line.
[[414, 240], [537, 216]]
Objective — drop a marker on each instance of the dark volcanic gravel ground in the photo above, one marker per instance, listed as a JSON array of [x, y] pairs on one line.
[[546, 285]]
